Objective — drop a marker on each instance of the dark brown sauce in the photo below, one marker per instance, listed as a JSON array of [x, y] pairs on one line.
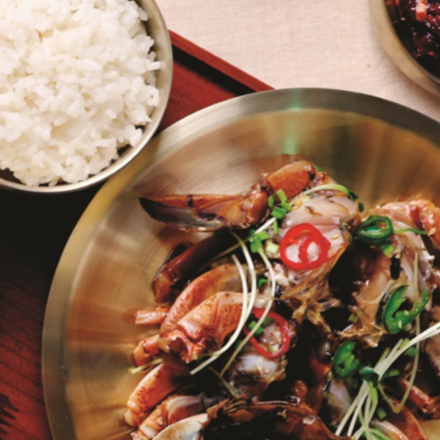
[[262, 428], [417, 23]]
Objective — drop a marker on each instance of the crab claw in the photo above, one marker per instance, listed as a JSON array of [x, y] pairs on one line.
[[207, 213]]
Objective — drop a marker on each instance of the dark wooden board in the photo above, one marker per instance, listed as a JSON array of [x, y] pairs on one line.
[[34, 230]]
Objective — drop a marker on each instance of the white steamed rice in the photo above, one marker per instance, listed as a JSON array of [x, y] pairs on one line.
[[76, 79]]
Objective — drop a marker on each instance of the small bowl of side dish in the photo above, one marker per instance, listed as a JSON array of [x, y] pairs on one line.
[[410, 34], [83, 89]]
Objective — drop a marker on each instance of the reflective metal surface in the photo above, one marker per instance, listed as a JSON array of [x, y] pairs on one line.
[[380, 150], [397, 51], [162, 46]]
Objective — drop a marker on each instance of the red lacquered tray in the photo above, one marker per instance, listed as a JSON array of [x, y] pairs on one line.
[[34, 230]]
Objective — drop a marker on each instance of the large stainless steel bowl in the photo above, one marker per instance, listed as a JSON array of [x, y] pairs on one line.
[[396, 50], [157, 29], [380, 150]]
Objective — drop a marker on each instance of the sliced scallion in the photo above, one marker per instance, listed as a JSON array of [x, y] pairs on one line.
[[267, 321], [256, 245], [278, 213], [263, 235], [262, 281], [286, 206], [381, 413], [259, 330], [411, 352], [271, 201], [370, 376], [391, 373], [388, 249], [415, 231], [272, 248], [281, 195]]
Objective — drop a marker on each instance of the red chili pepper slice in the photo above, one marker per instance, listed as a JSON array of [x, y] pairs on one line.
[[285, 335], [304, 235]]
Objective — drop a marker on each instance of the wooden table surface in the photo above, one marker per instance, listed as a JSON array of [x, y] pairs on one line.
[[35, 228]]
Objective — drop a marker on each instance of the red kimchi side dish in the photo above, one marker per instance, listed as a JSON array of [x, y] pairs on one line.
[[417, 23], [299, 316]]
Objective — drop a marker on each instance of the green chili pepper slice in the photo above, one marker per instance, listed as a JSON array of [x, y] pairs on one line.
[[376, 230], [345, 362], [396, 320]]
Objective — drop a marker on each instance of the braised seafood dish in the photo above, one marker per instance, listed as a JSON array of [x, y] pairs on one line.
[[299, 316]]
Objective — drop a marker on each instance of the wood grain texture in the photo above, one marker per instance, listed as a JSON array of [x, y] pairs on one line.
[[34, 230]]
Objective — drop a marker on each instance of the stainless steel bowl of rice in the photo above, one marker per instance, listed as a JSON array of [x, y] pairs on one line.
[[83, 87]]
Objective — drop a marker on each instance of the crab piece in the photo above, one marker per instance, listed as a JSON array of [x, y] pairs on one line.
[[388, 429], [407, 423], [153, 388], [426, 404], [208, 213], [417, 214], [372, 285], [432, 350], [320, 367], [334, 214], [428, 216], [220, 279], [187, 429], [213, 212], [378, 271], [146, 350], [338, 401], [151, 316], [251, 373], [264, 419], [204, 327], [172, 410], [185, 265]]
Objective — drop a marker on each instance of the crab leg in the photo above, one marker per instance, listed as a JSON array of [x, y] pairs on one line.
[[154, 387], [151, 316], [186, 265]]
